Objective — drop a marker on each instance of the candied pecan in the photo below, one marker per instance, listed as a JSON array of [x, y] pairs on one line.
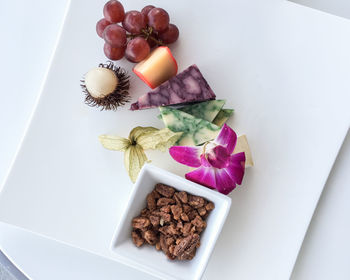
[[137, 239], [192, 214], [164, 216], [205, 215], [154, 220], [165, 209], [169, 230], [150, 236], [172, 229], [202, 211], [158, 245], [156, 194], [187, 208], [170, 253], [186, 229], [179, 225], [185, 248], [165, 190], [170, 256], [145, 212], [190, 255], [151, 201], [198, 222], [196, 201], [184, 217], [177, 200], [165, 201], [140, 223], [171, 249], [163, 245], [210, 206], [169, 240], [194, 229], [163, 230], [177, 211], [182, 196]]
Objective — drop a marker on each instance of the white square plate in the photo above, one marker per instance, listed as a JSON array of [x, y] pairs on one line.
[[147, 258], [281, 66]]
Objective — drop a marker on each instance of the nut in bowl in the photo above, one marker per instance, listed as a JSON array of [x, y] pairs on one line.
[[146, 257]]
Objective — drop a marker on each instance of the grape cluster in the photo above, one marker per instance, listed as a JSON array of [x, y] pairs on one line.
[[138, 33]]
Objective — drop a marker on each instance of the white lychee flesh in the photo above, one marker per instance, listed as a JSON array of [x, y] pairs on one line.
[[100, 82]]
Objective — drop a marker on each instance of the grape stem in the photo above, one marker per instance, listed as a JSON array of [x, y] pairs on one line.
[[147, 34]]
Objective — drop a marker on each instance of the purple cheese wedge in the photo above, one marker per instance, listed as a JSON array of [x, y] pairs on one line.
[[186, 87]]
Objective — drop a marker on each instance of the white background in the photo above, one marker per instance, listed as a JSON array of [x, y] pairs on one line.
[[29, 30]]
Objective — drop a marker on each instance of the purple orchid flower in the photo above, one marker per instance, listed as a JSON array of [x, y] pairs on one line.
[[217, 167]]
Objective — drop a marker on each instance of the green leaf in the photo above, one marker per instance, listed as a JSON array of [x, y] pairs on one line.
[[134, 159], [114, 143], [158, 139]]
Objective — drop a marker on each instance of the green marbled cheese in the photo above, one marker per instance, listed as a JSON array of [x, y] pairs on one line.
[[195, 131], [206, 110], [223, 116]]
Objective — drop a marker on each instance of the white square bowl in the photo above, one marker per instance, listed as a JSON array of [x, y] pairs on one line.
[[147, 258]]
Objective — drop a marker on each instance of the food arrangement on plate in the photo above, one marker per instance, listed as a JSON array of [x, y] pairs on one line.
[[195, 134]]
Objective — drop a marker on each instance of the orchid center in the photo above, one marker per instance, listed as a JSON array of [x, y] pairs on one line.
[[218, 157]]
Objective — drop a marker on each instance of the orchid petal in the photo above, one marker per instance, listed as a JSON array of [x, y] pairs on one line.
[[204, 176], [227, 138], [189, 156], [236, 167], [218, 157], [205, 162], [224, 182]]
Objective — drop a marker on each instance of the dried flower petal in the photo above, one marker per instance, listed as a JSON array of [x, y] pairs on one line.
[[114, 143], [158, 139], [140, 139], [134, 159], [136, 132]]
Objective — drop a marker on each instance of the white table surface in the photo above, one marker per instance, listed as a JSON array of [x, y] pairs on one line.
[[29, 31]]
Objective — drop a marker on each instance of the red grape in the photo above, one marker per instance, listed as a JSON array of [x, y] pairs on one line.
[[137, 49], [115, 35], [113, 53], [170, 35], [146, 10], [152, 43], [101, 25], [113, 11], [134, 22], [158, 18]]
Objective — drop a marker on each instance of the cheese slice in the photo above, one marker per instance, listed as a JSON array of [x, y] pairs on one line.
[[195, 131], [207, 110], [242, 146], [222, 117], [189, 86], [157, 68]]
